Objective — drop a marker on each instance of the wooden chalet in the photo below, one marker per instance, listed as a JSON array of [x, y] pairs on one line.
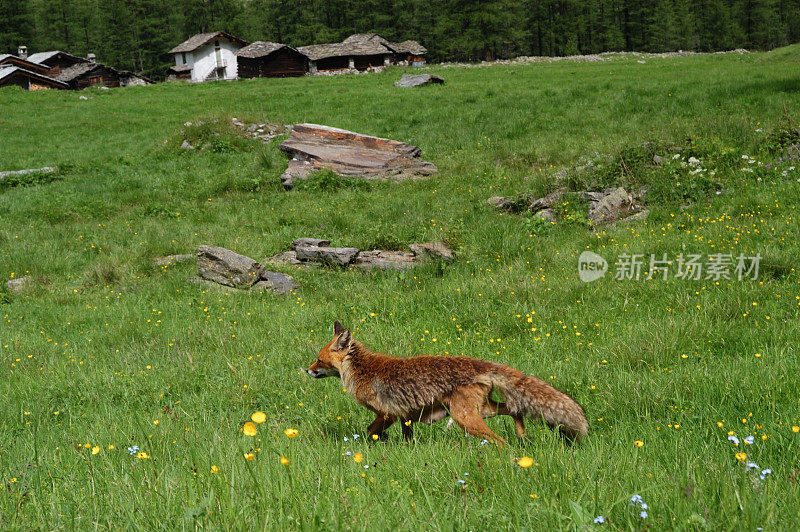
[[362, 51], [344, 56], [403, 53], [56, 61], [83, 75], [179, 73], [27, 79], [8, 60], [408, 53], [132, 79], [206, 57], [270, 60]]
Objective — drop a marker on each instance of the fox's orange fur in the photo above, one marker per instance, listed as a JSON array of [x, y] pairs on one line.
[[429, 388]]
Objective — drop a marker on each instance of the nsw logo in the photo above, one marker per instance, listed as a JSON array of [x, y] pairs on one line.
[[591, 266]]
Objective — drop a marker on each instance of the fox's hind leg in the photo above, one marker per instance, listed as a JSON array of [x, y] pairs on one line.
[[495, 408], [379, 426], [466, 408]]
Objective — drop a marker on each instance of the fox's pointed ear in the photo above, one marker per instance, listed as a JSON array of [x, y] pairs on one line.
[[344, 340], [337, 328]]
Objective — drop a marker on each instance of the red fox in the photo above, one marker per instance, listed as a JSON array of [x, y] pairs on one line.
[[429, 388]]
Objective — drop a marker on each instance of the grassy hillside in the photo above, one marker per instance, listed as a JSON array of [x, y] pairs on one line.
[[107, 351]]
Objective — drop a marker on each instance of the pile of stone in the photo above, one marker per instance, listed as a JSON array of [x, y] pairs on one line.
[[220, 266], [590, 58], [20, 284], [340, 72], [312, 147], [610, 206], [263, 131], [316, 252]]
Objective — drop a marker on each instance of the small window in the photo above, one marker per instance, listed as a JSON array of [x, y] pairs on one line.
[[183, 57]]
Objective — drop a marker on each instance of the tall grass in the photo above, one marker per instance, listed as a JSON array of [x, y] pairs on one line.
[[108, 351]]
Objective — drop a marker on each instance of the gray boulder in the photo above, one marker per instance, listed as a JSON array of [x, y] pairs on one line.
[[340, 257], [228, 268], [613, 206], [548, 215], [514, 204], [305, 242], [314, 147], [433, 250], [385, 260], [280, 283], [18, 285], [418, 80]]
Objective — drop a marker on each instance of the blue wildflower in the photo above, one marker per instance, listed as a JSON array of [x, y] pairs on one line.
[[749, 440], [599, 520], [133, 450], [765, 472]]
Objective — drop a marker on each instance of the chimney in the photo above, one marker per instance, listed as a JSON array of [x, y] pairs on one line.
[[22, 52], [90, 57]]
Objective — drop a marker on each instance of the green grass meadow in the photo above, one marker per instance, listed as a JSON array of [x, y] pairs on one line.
[[107, 351]]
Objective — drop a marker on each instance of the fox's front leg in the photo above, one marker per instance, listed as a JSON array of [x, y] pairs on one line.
[[379, 426], [408, 431]]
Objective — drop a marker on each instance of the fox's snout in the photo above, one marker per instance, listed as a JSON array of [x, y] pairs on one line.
[[318, 371]]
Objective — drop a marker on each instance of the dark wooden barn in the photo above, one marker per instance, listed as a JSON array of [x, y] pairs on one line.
[[359, 55], [84, 75], [270, 60], [408, 53], [28, 80], [8, 60], [363, 51], [179, 73], [56, 61]]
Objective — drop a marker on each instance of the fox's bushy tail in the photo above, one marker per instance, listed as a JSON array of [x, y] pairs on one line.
[[531, 396]]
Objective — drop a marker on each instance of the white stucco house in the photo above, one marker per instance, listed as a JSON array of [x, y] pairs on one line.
[[206, 57]]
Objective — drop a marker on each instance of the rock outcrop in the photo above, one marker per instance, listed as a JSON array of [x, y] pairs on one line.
[[309, 252], [418, 80], [312, 147], [224, 267], [610, 206]]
